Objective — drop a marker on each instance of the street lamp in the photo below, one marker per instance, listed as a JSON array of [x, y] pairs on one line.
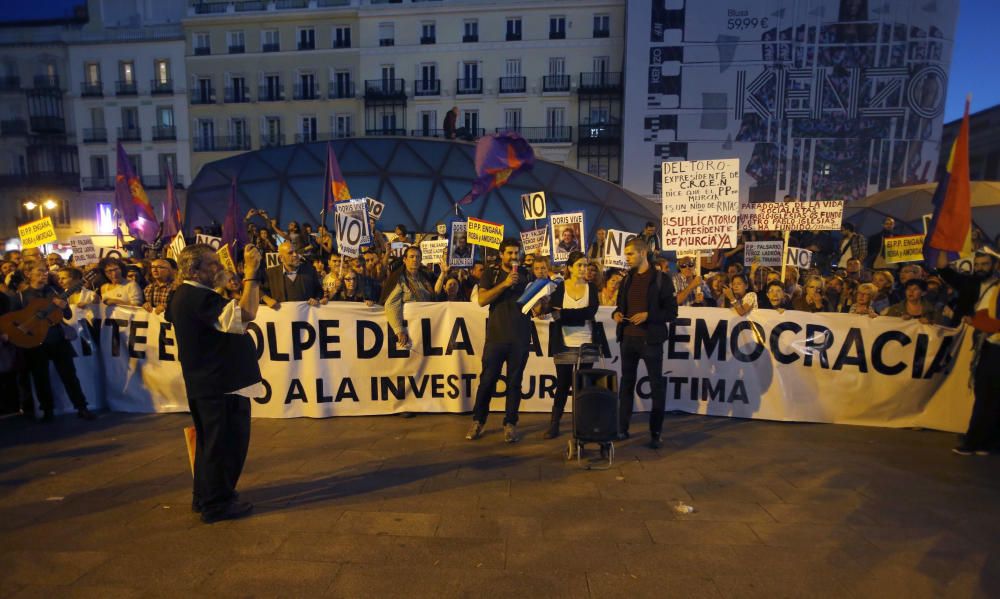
[[48, 204]]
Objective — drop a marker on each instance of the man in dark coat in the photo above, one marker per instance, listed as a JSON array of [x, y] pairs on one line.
[[293, 280]]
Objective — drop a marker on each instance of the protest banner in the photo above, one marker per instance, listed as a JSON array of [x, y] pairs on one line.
[[460, 253], [342, 359], [226, 258], [484, 233], [432, 251], [533, 205], [177, 245], [271, 259], [214, 242], [614, 248], [566, 235], [769, 252], [356, 209], [904, 248], [84, 252], [397, 249], [701, 204], [535, 241], [798, 257], [37, 233], [349, 232], [792, 216], [375, 208]]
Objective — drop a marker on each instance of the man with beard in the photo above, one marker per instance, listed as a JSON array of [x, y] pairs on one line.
[[292, 280], [979, 292], [876, 246]]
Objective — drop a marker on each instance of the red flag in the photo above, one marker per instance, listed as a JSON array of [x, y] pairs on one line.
[[335, 186], [171, 209], [950, 229]]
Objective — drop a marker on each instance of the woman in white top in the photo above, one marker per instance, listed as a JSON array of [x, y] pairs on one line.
[[118, 291], [738, 295], [573, 306]]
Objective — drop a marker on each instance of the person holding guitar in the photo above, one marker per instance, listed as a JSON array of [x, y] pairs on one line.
[[54, 349]]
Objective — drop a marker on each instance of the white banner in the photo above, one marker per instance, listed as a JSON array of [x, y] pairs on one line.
[[614, 248], [701, 204], [792, 216], [769, 252], [341, 359]]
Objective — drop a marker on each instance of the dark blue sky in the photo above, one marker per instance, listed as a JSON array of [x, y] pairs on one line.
[[975, 64], [21, 10]]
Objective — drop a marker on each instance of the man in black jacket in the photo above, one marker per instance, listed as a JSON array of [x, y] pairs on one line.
[[221, 374], [292, 280], [646, 303]]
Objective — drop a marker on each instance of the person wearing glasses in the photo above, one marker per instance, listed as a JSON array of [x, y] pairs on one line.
[[813, 298], [351, 290], [691, 289], [159, 290], [118, 291]]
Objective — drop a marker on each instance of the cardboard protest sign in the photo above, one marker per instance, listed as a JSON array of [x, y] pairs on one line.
[[533, 205], [798, 257], [792, 216], [484, 233], [214, 242], [614, 248], [37, 233], [567, 235], [431, 251], [350, 233], [769, 252], [355, 209], [226, 258], [271, 259], [84, 252], [460, 253], [701, 204], [177, 245], [535, 241], [375, 208], [904, 248], [397, 249]]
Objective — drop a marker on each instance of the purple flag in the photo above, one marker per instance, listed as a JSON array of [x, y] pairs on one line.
[[498, 158], [171, 211], [234, 234], [132, 202]]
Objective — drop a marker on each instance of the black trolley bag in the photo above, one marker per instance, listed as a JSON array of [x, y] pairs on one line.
[[594, 409]]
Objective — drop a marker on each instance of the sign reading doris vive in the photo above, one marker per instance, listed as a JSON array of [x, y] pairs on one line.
[[342, 359]]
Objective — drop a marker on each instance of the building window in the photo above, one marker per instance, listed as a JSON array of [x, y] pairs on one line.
[[240, 134], [126, 69], [428, 32], [342, 36], [386, 34], [512, 119], [161, 70], [557, 28], [470, 119], [602, 25], [341, 85], [308, 130], [271, 135], [471, 31], [92, 73], [598, 167], [202, 43], [342, 125], [307, 39], [513, 29], [237, 43], [271, 41], [105, 219]]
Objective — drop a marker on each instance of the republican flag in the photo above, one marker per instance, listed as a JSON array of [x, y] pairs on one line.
[[335, 186], [234, 234], [498, 158], [171, 210], [950, 229], [132, 202]]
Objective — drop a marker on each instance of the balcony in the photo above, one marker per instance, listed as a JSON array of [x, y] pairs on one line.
[[513, 85], [428, 40], [305, 138], [600, 82], [427, 132], [95, 135], [598, 133], [470, 39], [384, 42], [164, 133], [304, 45], [203, 96], [284, 4], [202, 50], [306, 91], [427, 87], [47, 82], [461, 133], [340, 90], [469, 85], [160, 181], [48, 124], [557, 35], [513, 37], [270, 47], [602, 33], [13, 127], [542, 135], [341, 43], [250, 5], [555, 83], [385, 131], [238, 49], [210, 8], [271, 141], [385, 88], [91, 89], [96, 183], [271, 93], [126, 88], [10, 83], [164, 87], [129, 134], [237, 95], [225, 143]]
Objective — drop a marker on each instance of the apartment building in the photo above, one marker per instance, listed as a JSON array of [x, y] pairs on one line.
[[262, 74]]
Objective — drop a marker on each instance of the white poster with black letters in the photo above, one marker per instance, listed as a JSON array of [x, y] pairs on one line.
[[567, 235], [614, 248]]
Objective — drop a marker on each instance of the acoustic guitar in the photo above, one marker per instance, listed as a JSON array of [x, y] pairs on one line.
[[27, 327]]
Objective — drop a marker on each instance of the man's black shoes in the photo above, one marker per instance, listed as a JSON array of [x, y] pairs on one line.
[[232, 511]]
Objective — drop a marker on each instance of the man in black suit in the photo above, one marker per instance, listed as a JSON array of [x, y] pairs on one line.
[[221, 374], [646, 303], [292, 280]]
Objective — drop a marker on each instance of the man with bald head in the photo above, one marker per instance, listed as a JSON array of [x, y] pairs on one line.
[[292, 280]]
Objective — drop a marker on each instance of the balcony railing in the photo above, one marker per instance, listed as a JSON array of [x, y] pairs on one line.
[[160, 181], [469, 85], [598, 132], [203, 96], [387, 41], [237, 49], [270, 47], [386, 131], [557, 35], [555, 83], [91, 183], [129, 134], [427, 40], [341, 43], [237, 95], [164, 133], [250, 5], [340, 90], [600, 82], [303, 45], [282, 4], [602, 33], [10, 83], [306, 91], [48, 124], [126, 88], [513, 37], [427, 87], [47, 82], [95, 135], [542, 134], [271, 141], [14, 127], [225, 143], [202, 50], [210, 8], [385, 88], [91, 89], [157, 87], [469, 39], [271, 93], [513, 85], [301, 138]]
